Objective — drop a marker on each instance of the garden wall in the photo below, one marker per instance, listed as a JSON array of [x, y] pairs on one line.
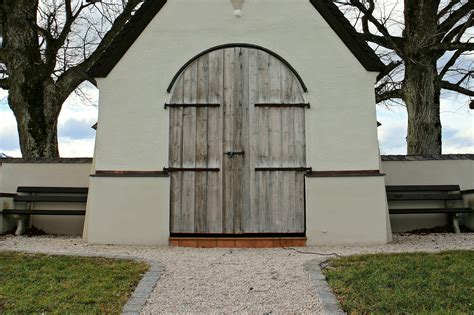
[[399, 170], [452, 169], [46, 172]]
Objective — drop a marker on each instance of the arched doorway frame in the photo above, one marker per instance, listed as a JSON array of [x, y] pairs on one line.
[[243, 45], [188, 105]]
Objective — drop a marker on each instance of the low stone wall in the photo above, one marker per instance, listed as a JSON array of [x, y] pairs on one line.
[[44, 172], [450, 169]]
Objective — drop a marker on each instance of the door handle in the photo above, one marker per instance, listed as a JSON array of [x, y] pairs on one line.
[[231, 154]]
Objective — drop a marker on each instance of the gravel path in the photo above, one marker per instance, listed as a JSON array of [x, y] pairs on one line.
[[237, 280]]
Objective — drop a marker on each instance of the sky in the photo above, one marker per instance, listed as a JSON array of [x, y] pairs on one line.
[[76, 137]]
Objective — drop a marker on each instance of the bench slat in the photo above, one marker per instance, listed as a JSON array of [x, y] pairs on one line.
[[53, 190], [410, 197], [50, 198], [43, 212], [7, 195], [429, 210], [400, 188]]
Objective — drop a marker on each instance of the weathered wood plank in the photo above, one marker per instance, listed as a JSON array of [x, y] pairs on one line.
[[245, 215], [288, 209], [299, 212], [262, 113], [274, 115], [240, 103], [178, 91], [201, 144], [288, 135], [276, 213], [229, 130], [300, 138], [215, 142], [252, 222], [189, 149], [175, 159], [298, 156], [176, 129], [263, 126]]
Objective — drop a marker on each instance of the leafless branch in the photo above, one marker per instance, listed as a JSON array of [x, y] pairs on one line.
[[450, 63], [448, 8], [390, 94], [457, 32], [76, 74], [389, 68], [457, 88], [387, 39], [455, 46], [455, 17]]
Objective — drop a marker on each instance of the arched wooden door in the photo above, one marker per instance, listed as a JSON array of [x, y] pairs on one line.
[[237, 145]]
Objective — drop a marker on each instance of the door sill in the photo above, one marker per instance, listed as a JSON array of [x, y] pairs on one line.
[[237, 242]]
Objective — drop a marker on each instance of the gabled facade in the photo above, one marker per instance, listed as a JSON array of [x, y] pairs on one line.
[[258, 125]]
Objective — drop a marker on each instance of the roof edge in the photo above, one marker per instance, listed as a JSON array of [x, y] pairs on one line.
[[346, 32], [126, 37], [145, 14], [428, 157]]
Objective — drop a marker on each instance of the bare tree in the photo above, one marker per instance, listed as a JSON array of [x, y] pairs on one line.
[[48, 47], [427, 46]]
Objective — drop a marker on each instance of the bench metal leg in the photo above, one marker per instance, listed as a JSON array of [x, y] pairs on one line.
[[23, 221], [455, 219], [22, 224]]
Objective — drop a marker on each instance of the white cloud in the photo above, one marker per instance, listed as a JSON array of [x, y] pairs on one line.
[[76, 138], [76, 147], [457, 122], [9, 143]]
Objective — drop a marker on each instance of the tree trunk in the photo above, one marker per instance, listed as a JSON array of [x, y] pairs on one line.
[[421, 94], [421, 90], [32, 95], [37, 128]]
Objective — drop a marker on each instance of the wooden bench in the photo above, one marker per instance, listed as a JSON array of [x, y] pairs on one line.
[[30, 195], [423, 193]]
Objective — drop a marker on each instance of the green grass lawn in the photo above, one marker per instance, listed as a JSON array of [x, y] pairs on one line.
[[441, 283], [65, 285]]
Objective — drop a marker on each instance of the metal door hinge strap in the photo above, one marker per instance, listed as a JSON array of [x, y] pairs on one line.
[[191, 105], [294, 169], [307, 105], [191, 169]]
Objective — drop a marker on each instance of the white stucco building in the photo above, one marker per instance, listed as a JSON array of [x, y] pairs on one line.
[[172, 51]]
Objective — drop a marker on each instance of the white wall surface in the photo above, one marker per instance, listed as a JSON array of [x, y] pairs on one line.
[[13, 175], [6, 224], [133, 128], [434, 172], [133, 125], [133, 211], [430, 172], [346, 210]]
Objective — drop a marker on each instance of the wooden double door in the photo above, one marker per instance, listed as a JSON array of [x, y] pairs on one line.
[[237, 145]]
